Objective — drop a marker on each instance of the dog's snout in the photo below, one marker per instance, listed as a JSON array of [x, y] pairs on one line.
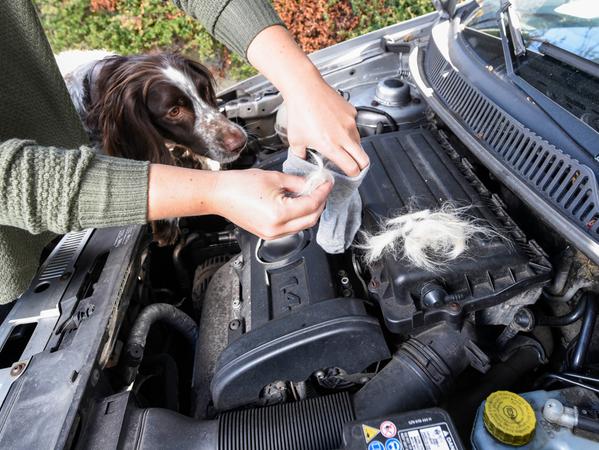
[[234, 140]]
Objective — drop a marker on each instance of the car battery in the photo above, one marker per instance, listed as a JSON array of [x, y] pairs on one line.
[[426, 429]]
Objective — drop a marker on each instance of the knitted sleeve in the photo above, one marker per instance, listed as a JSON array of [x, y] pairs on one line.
[[234, 22], [58, 190]]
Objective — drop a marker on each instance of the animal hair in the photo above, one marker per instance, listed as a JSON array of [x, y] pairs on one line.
[[317, 177], [428, 239], [123, 84]]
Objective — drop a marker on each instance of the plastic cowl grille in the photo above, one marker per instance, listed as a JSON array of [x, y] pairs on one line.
[[567, 184], [63, 258], [314, 424]]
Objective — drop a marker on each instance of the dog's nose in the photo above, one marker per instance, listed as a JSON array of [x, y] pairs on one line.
[[234, 141]]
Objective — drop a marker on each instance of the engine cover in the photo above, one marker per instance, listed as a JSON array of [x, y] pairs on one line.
[[414, 170], [290, 322], [292, 318]]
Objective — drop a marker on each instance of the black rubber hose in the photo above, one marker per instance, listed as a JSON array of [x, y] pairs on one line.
[[168, 369], [158, 312], [586, 333], [567, 319], [392, 123], [504, 375], [588, 424], [407, 383]]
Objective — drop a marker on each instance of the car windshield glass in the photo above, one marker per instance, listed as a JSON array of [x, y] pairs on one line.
[[572, 25]]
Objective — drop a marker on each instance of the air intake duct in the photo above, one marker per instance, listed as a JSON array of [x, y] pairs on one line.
[[418, 375]]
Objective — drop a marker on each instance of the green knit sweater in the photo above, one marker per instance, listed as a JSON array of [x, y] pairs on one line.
[[50, 182]]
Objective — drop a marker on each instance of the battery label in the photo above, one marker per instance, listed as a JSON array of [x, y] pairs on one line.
[[437, 437]]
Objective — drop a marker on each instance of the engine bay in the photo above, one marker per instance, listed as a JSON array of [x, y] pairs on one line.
[[226, 341]]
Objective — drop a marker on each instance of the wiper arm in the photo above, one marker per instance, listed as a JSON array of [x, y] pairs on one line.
[[507, 13], [515, 29], [584, 136]]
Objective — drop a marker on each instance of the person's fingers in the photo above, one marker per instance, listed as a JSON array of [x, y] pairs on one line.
[[305, 205], [299, 150], [292, 183], [342, 159], [356, 151], [358, 154], [295, 225], [302, 223]]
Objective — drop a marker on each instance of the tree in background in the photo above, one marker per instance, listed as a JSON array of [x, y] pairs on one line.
[[138, 26]]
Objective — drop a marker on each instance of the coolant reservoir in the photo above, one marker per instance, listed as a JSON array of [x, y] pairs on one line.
[[508, 421], [509, 418]]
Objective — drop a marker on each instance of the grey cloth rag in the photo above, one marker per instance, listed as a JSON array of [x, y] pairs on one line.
[[342, 214]]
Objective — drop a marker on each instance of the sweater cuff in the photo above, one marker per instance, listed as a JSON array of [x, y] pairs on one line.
[[242, 20], [114, 192]]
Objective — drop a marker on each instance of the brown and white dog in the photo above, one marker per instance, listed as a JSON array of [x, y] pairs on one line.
[[140, 107]]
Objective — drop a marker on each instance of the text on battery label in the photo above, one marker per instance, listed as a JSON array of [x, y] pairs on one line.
[[436, 437]]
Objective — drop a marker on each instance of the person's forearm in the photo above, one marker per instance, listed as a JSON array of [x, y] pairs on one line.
[[255, 200], [318, 117], [60, 190], [179, 192], [292, 69]]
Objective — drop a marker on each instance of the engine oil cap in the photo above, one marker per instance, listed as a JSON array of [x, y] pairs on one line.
[[509, 418]]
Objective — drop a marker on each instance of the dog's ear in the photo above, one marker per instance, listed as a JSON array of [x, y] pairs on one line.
[[127, 129], [203, 80]]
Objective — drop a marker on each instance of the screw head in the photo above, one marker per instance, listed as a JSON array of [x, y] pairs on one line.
[[65, 276], [17, 369], [238, 263], [235, 324]]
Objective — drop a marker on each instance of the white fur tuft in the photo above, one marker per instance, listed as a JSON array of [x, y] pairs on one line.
[[428, 239], [317, 177]]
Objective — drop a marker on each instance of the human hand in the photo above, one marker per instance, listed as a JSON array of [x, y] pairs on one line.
[[318, 117], [321, 119], [259, 201]]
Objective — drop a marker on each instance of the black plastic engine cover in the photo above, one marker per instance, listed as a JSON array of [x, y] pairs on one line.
[[332, 333], [290, 321], [411, 170]]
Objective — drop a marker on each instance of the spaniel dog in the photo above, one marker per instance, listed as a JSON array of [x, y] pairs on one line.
[[142, 107]]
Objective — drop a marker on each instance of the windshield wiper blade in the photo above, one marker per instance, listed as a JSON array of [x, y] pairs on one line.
[[569, 58], [507, 13]]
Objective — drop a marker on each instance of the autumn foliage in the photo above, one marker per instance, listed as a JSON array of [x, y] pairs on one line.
[[138, 26], [317, 23]]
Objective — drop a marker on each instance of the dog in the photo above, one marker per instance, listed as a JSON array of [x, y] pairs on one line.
[[145, 106]]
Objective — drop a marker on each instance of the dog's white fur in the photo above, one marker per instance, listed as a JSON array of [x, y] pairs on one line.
[[317, 177], [428, 239], [75, 65], [204, 113]]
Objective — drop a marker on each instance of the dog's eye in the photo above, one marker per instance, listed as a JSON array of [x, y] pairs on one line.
[[174, 112]]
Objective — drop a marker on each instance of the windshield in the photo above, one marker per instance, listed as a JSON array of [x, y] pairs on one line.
[[572, 25]]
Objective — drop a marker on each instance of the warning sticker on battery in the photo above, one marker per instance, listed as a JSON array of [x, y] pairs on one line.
[[436, 437]]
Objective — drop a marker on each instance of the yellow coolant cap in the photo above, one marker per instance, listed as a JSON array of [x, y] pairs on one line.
[[509, 418]]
